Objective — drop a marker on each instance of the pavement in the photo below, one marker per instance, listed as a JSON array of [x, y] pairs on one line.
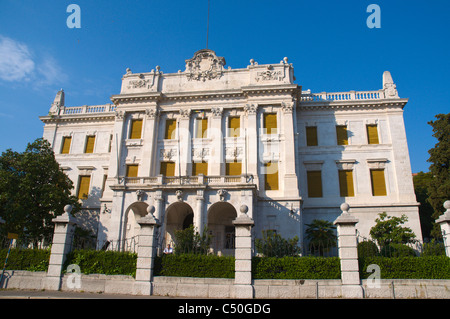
[[43, 294]]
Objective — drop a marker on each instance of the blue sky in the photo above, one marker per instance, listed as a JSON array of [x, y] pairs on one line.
[[328, 42]]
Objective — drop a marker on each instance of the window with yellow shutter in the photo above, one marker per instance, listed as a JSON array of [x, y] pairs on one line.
[[199, 168], [167, 169], [171, 125], [346, 183], [378, 182], [67, 140], [136, 129], [270, 123], [202, 126], [342, 136], [90, 142], [314, 180], [83, 187], [234, 127], [372, 134], [233, 168], [132, 170], [271, 176], [311, 136]]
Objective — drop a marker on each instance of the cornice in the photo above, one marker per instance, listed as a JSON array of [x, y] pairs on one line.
[[352, 104], [90, 117]]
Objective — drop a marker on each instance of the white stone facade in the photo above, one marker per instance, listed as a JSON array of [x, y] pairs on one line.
[[209, 91]]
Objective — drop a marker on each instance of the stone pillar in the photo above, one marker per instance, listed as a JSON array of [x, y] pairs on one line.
[[243, 255], [348, 254], [146, 254], [150, 137], [61, 245], [444, 222], [199, 212]]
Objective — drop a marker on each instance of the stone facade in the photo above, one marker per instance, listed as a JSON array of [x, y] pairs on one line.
[[254, 121]]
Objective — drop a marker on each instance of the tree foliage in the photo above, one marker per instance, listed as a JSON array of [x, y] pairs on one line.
[[33, 190], [273, 245], [439, 186], [321, 236], [388, 230], [189, 241], [421, 183]]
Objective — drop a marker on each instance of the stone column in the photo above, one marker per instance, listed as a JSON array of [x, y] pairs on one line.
[[199, 212], [150, 137], [243, 255], [444, 222], [348, 254], [290, 178], [216, 136], [146, 254], [61, 246]]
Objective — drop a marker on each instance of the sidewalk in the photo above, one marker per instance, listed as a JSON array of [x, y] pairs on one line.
[[42, 294]]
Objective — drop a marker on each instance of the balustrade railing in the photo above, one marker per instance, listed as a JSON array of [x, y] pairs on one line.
[[343, 96], [88, 109], [187, 180]]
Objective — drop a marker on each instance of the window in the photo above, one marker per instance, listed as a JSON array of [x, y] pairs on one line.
[[342, 136], [171, 125], [233, 168], [270, 123], [202, 125], [311, 136], [90, 142], [346, 183], [105, 177], [372, 134], [271, 176], [132, 170], [136, 129], [167, 169], [378, 182], [234, 127], [199, 168], [67, 140], [110, 143], [314, 179], [83, 187]]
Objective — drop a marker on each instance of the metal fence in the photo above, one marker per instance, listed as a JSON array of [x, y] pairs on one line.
[[126, 245]]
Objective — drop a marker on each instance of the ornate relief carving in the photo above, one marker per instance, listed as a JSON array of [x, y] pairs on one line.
[[205, 65], [167, 154], [185, 113], [233, 152], [138, 84], [119, 115], [200, 153], [151, 113], [287, 107], [217, 111], [269, 75], [250, 108]]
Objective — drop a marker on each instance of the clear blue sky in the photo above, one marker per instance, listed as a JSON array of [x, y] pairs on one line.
[[328, 42]]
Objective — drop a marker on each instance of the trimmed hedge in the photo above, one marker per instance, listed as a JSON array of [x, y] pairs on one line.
[[428, 267], [103, 262], [26, 259], [296, 268], [190, 265]]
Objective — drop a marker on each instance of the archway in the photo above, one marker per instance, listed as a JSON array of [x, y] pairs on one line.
[[134, 212], [220, 226], [179, 216]]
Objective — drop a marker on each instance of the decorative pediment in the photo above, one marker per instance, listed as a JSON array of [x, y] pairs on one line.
[[205, 65]]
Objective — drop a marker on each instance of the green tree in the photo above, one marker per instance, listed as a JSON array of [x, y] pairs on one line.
[[189, 241], [273, 245], [321, 236], [33, 190], [388, 230], [439, 186], [421, 184]]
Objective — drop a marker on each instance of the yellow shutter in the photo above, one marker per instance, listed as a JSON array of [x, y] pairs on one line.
[[90, 142], [271, 176], [234, 126], [202, 125], [167, 169], [378, 182], [132, 170], [311, 136], [83, 187], [270, 123], [199, 168], [171, 125], [233, 168], [314, 179], [346, 183], [372, 134], [341, 133], [66, 145], [136, 129]]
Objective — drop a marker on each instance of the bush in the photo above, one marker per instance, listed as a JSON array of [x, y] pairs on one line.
[[26, 259], [273, 245], [433, 248], [367, 249], [296, 268], [433, 267], [190, 265], [103, 262], [397, 250], [188, 241]]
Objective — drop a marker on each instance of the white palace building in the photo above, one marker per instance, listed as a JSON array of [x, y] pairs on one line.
[[200, 143]]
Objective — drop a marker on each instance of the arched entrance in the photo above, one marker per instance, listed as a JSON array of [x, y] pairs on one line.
[[134, 212], [220, 226], [179, 216]]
